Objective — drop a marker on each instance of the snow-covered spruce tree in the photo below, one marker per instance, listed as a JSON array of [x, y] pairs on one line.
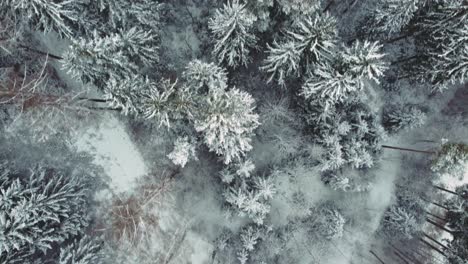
[[184, 150], [232, 28], [452, 159], [392, 16], [98, 59], [449, 65], [347, 73], [40, 15], [202, 76], [38, 211], [125, 94], [86, 250], [261, 10], [350, 132], [311, 39], [167, 102], [248, 194], [457, 251], [282, 61], [299, 7], [227, 121], [440, 34], [111, 16], [399, 222], [404, 118], [326, 221]]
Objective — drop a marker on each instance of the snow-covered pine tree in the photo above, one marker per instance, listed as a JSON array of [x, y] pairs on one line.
[[184, 150], [326, 221], [227, 122], [203, 76], [299, 7], [98, 59], [350, 132], [282, 61], [40, 15], [449, 66], [86, 250], [112, 16], [124, 95], [167, 102], [312, 39], [392, 16], [39, 210], [398, 221], [261, 10], [249, 237], [404, 118], [232, 28], [452, 159], [347, 73], [441, 39]]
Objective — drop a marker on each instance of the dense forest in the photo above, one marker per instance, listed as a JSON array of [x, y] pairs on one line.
[[233, 131]]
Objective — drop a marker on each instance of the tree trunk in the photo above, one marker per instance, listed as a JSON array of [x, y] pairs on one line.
[[330, 3], [439, 226], [41, 52], [432, 247], [400, 257], [406, 255], [401, 60], [96, 100], [407, 149], [436, 204], [446, 190], [435, 241], [377, 257], [436, 216], [349, 7]]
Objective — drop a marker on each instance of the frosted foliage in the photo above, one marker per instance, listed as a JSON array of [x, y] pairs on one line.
[[232, 28], [299, 6], [452, 159], [397, 219], [250, 197], [165, 102], [350, 133], [227, 123], [450, 66], [393, 15], [311, 39], [100, 58], [365, 60], [183, 151], [261, 9], [41, 15], [405, 119], [336, 80], [245, 168], [124, 94], [315, 36], [249, 238], [84, 251], [282, 61], [327, 222], [200, 75], [330, 83], [38, 211]]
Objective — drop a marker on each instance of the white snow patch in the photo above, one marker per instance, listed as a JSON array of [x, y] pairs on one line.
[[114, 151]]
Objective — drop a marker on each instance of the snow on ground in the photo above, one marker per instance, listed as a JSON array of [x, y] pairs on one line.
[[114, 151]]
